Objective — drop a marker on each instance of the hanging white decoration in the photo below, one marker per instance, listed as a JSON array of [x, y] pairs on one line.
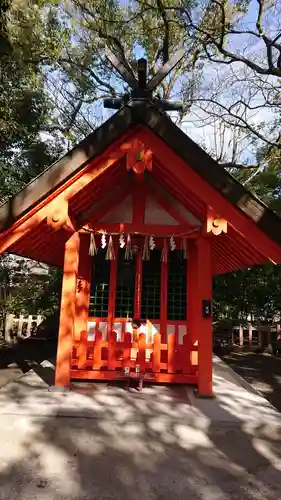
[[110, 255], [184, 248], [103, 240], [145, 252], [152, 243], [122, 241], [172, 243], [128, 251], [164, 255], [93, 247]]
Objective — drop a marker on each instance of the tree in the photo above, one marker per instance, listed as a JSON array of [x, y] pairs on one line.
[[26, 116], [239, 45], [248, 293], [130, 30], [26, 111], [76, 74], [54, 76]]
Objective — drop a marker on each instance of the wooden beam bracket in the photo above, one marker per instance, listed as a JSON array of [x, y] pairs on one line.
[[215, 224], [58, 216], [139, 158]]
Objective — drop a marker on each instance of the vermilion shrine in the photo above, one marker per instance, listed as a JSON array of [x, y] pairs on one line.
[[140, 218]]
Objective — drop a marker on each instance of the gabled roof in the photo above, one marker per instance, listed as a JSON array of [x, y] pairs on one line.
[[142, 113]]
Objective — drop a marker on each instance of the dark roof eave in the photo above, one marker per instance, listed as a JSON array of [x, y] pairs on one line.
[[60, 171], [223, 182], [145, 113]]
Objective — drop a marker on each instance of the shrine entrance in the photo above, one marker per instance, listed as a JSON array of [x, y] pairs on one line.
[[138, 279], [138, 314], [136, 257], [140, 219]]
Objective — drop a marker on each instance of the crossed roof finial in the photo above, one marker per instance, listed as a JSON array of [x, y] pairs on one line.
[[141, 88]]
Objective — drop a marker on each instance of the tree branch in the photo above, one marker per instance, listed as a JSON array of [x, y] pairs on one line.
[[239, 166], [244, 123], [207, 39], [166, 37], [95, 77], [260, 13], [223, 18]]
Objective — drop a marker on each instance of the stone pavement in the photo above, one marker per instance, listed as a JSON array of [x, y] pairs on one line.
[[99, 442]]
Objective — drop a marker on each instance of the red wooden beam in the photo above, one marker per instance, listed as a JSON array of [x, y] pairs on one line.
[[164, 301], [138, 285], [233, 257], [203, 325], [225, 256], [189, 179], [46, 244], [164, 378], [244, 245], [69, 189], [180, 205], [112, 289], [94, 195], [244, 252], [97, 189], [67, 311], [98, 210], [169, 209], [43, 238], [218, 265], [186, 197], [26, 225], [191, 286], [34, 238], [150, 229], [83, 287], [231, 252], [109, 178], [139, 200]]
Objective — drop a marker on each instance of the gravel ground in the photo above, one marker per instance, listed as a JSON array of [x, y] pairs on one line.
[[156, 445], [262, 371], [18, 359]]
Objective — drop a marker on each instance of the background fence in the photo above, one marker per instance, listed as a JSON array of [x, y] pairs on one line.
[[20, 327], [249, 335]]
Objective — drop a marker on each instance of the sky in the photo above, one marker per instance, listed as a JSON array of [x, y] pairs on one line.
[[214, 76], [256, 51]]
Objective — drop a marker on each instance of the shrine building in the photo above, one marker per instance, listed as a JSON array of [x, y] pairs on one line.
[[140, 219]]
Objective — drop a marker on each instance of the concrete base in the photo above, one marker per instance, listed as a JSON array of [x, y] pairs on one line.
[[56, 388], [99, 441], [203, 396]]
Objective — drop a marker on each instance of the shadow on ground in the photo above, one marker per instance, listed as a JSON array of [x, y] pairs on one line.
[[262, 371], [99, 442], [18, 359], [136, 446]]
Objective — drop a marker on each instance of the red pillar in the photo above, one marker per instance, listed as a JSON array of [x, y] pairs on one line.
[[203, 325], [83, 287], [250, 330], [164, 302], [67, 311], [138, 285], [191, 285], [241, 335], [112, 290], [192, 330]]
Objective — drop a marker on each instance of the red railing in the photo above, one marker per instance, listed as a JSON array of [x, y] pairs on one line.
[[110, 359]]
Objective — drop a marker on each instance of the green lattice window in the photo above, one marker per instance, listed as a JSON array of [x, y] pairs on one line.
[[125, 286], [151, 286], [100, 285], [176, 286]]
